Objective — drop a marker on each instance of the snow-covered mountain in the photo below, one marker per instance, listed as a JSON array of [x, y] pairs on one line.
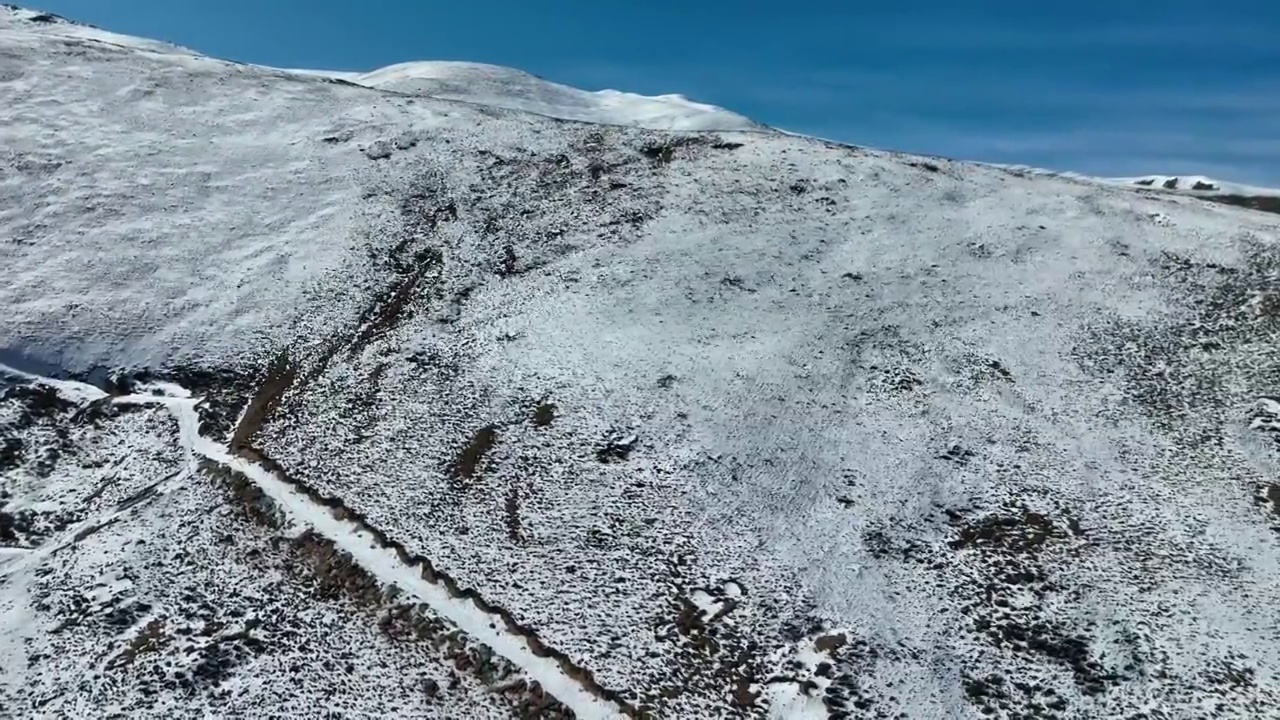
[[507, 88], [1249, 196], [1197, 183], [321, 399]]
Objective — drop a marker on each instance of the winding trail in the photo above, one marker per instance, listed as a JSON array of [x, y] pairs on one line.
[[302, 514]]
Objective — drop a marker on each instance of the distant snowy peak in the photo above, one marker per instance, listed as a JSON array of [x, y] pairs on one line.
[[1248, 196], [505, 87], [1228, 193], [12, 16], [1200, 184], [1197, 183]]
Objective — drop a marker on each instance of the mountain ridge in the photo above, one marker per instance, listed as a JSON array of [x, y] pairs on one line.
[[518, 90]]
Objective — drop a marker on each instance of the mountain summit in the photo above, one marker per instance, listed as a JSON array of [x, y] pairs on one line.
[[323, 399], [503, 87]]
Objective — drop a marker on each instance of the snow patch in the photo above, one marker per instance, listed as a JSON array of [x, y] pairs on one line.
[[76, 392], [796, 690]]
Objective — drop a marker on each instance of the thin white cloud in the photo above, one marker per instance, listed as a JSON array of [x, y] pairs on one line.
[[834, 86], [1188, 34]]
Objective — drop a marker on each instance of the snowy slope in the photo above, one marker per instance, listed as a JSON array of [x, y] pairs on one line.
[[49, 24], [315, 396], [508, 88]]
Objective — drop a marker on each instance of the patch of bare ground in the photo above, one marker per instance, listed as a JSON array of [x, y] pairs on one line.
[[410, 262], [1253, 202], [666, 150], [467, 465], [247, 499], [1008, 556], [151, 638], [37, 405], [850, 660], [511, 515], [711, 655], [544, 414], [1266, 420]]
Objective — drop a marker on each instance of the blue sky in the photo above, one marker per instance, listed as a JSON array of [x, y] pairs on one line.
[[1097, 86]]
